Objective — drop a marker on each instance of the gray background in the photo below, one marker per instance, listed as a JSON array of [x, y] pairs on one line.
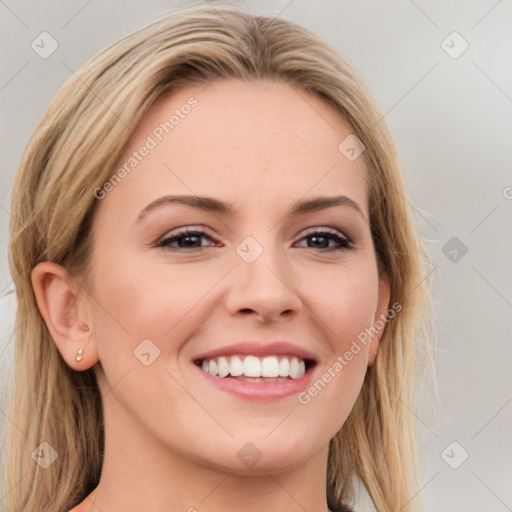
[[451, 118]]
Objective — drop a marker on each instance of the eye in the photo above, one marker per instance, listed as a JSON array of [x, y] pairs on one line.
[[191, 239], [185, 239], [322, 238]]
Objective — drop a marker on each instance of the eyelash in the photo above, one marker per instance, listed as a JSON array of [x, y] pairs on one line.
[[344, 243]]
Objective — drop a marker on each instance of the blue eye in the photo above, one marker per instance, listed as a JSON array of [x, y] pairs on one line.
[[186, 239], [320, 239]]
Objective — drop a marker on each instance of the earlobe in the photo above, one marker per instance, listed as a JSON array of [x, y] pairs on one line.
[[380, 319], [57, 297]]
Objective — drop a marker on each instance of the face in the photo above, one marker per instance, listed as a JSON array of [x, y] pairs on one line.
[[258, 275]]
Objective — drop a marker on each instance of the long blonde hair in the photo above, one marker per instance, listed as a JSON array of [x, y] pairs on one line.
[[73, 152]]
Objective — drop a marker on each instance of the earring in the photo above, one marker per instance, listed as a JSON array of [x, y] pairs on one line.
[[79, 354], [84, 327]]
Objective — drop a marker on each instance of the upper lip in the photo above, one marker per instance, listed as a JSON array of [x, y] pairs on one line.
[[259, 349]]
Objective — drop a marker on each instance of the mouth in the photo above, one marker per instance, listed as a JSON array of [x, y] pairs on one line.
[[251, 368], [257, 370], [258, 373]]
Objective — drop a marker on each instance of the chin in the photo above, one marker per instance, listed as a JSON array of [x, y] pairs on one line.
[[259, 458]]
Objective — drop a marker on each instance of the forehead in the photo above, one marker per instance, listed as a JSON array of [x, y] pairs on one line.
[[258, 143]]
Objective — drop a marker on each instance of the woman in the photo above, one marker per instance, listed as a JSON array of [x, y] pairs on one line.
[[221, 293]]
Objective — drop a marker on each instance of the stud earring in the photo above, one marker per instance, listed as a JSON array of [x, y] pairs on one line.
[[79, 354]]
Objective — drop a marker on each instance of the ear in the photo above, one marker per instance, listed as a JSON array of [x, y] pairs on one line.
[[59, 299], [379, 322]]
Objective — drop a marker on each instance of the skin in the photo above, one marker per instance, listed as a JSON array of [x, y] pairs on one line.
[[171, 437]]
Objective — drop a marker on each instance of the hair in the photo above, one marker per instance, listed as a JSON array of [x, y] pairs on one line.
[[73, 151]]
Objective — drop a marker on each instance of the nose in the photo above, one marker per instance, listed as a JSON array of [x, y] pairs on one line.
[[264, 288]]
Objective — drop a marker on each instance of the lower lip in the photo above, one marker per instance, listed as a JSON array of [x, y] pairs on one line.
[[259, 390]]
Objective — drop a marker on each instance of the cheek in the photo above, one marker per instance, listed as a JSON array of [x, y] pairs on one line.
[[136, 312], [145, 300], [344, 306], [135, 302], [344, 298], [344, 303]]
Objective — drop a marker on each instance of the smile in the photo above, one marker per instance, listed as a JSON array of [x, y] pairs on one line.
[[252, 368], [257, 370]]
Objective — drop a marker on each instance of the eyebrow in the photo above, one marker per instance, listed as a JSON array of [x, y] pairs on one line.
[[209, 204]]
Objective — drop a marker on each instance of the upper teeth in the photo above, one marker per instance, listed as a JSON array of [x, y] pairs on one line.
[[252, 366]]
